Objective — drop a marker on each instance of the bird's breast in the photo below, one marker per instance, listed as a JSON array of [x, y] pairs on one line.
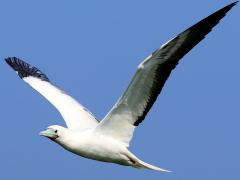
[[97, 147]]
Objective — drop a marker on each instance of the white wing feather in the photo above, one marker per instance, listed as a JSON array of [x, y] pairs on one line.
[[75, 115]]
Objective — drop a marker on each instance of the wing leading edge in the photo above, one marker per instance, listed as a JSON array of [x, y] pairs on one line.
[[151, 75], [75, 115]]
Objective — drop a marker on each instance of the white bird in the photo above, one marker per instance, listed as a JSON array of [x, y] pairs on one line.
[[108, 140]]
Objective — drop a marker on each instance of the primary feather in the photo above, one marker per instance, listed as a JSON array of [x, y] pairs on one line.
[[75, 115]]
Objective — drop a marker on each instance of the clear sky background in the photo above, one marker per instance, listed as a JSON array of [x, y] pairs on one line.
[[91, 50]]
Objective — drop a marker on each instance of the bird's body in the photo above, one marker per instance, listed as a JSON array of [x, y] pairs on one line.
[[94, 145], [109, 139]]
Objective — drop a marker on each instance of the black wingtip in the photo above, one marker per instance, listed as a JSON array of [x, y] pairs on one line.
[[234, 3], [24, 69], [231, 5], [228, 7]]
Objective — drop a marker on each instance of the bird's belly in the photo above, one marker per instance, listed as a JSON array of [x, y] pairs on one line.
[[101, 149]]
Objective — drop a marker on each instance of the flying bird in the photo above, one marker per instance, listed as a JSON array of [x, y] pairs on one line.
[[108, 140]]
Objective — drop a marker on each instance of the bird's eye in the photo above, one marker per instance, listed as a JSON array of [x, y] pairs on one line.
[[56, 131]]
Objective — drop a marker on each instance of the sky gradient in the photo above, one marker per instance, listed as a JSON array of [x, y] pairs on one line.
[[91, 50]]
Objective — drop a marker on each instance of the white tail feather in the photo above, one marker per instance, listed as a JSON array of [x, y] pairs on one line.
[[141, 164], [137, 163]]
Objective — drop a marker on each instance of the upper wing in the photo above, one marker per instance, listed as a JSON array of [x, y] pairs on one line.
[[75, 115], [147, 83]]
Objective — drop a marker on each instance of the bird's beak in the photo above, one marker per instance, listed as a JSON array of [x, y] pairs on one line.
[[49, 133]]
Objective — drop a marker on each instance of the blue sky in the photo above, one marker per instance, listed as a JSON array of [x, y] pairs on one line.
[[91, 50]]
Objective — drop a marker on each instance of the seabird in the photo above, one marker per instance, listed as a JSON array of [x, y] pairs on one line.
[[108, 140]]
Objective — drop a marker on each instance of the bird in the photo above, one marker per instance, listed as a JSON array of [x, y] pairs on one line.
[[108, 140]]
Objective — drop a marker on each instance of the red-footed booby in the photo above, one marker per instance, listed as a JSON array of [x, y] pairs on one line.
[[108, 140]]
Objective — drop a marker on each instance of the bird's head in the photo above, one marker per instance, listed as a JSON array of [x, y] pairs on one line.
[[54, 132]]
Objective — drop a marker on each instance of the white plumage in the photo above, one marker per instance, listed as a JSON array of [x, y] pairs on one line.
[[68, 107], [108, 140]]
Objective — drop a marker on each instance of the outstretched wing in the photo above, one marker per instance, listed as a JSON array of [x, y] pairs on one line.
[[147, 83], [75, 115]]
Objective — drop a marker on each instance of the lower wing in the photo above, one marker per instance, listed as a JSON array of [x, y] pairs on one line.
[[75, 115]]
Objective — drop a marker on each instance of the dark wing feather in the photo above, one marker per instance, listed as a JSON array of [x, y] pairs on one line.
[[168, 60], [24, 69], [150, 77]]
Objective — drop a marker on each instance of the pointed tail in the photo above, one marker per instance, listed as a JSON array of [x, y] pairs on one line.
[[137, 163], [141, 164]]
